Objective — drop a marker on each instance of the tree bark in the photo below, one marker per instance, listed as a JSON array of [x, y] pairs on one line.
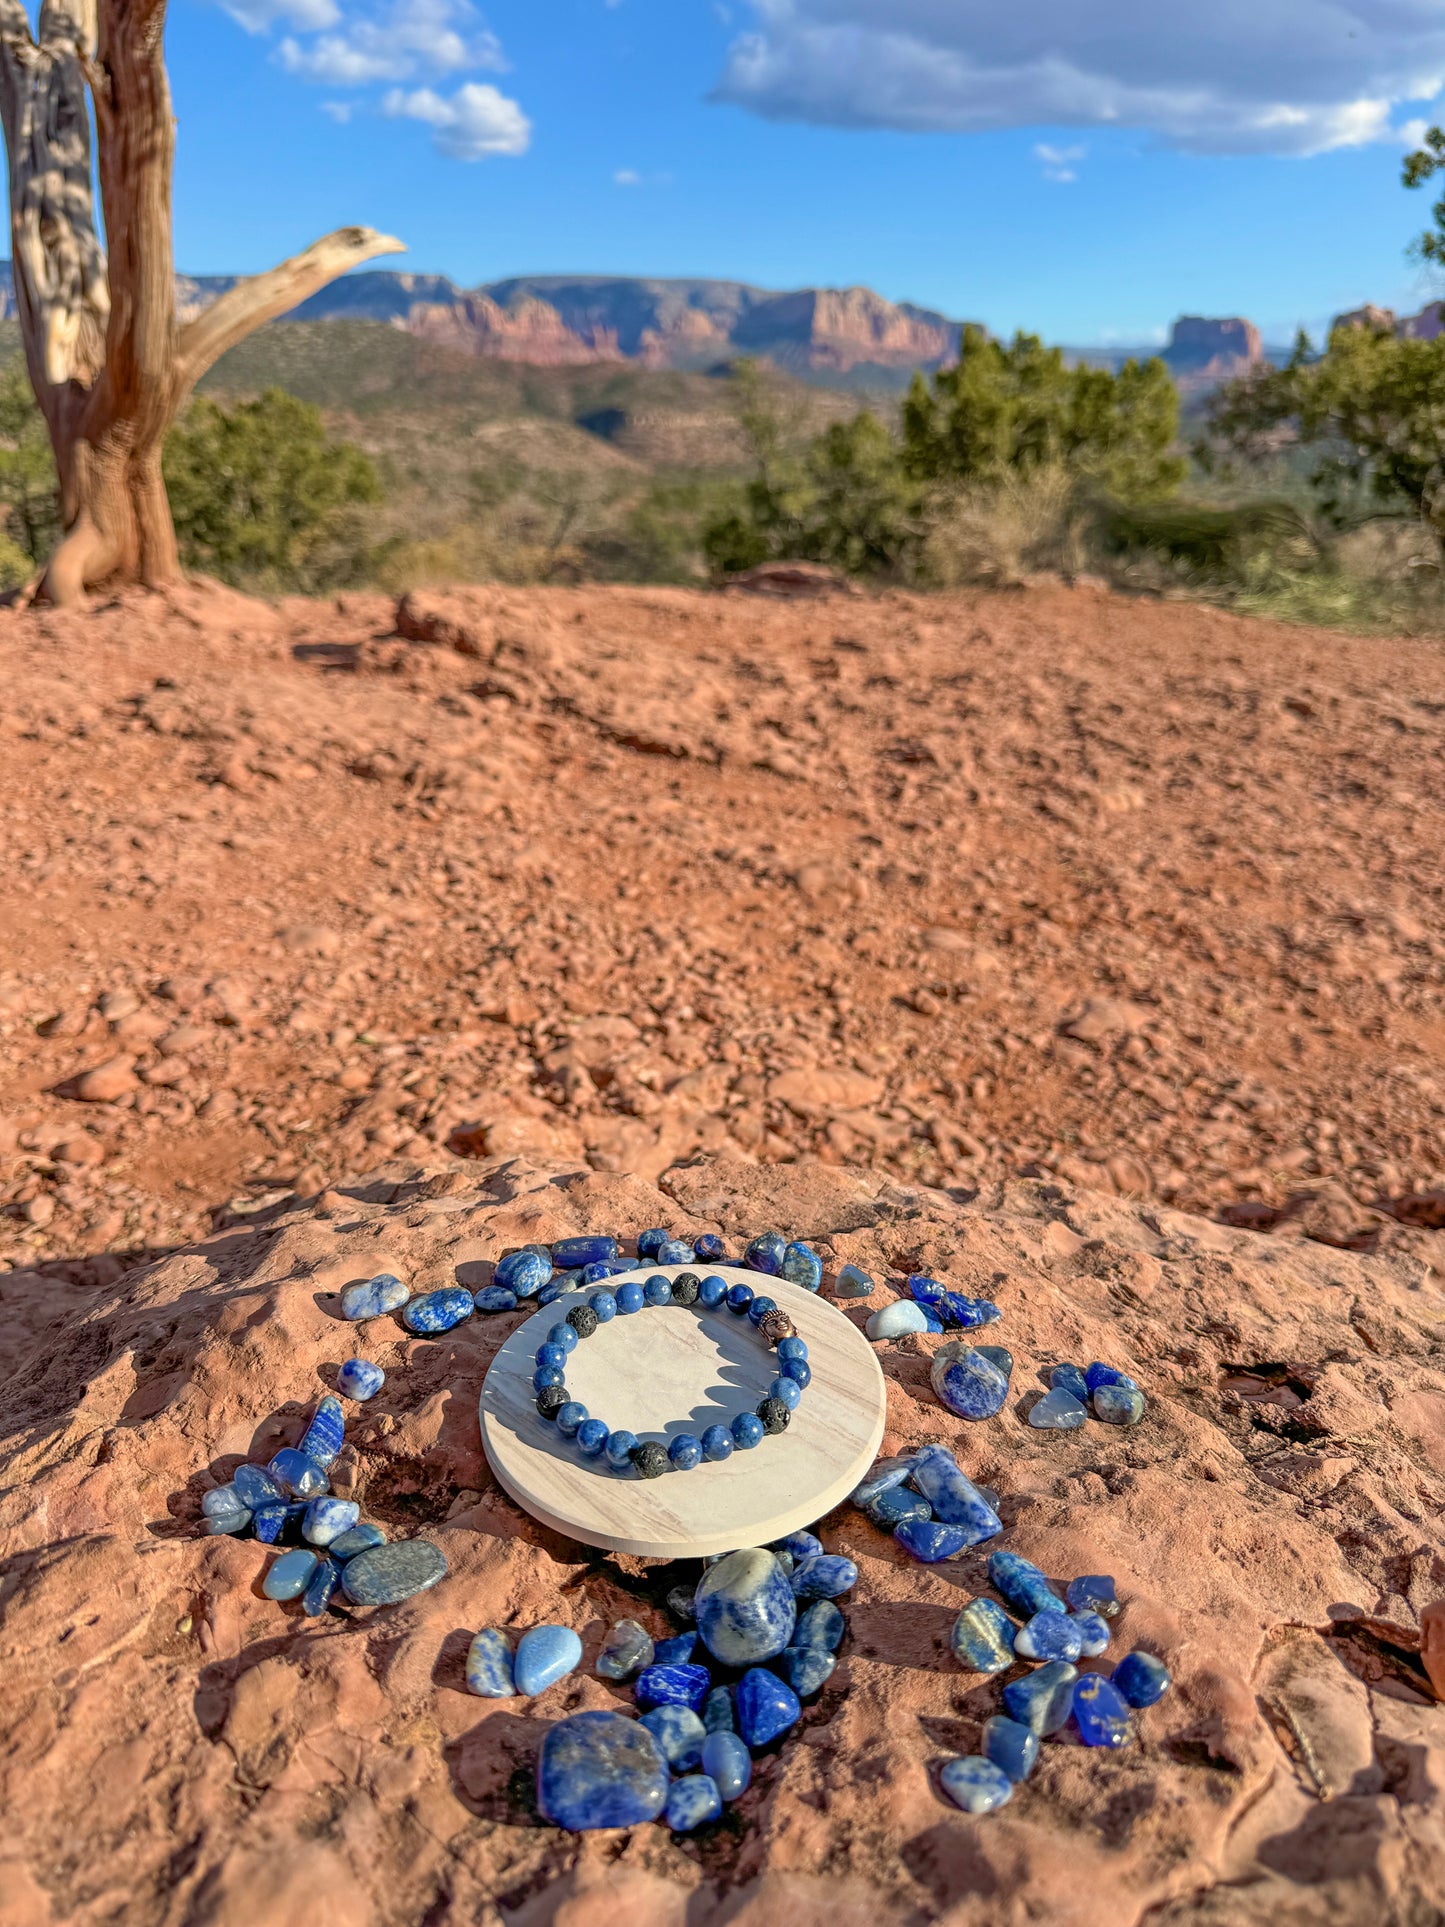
[[110, 367]]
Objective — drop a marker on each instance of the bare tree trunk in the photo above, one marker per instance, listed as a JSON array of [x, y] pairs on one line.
[[110, 367]]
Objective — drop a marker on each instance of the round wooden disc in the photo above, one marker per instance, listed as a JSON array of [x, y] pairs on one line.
[[674, 1368]]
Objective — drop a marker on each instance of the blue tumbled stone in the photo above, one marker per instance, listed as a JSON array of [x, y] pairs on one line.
[[998, 1355], [822, 1625], [222, 1500], [1057, 1411], [554, 1288], [385, 1574], [1022, 1584], [1098, 1375], [802, 1545], [677, 1251], [896, 1319], [727, 1762], [626, 1650], [1042, 1700], [746, 1609], [693, 1802], [739, 1298], [255, 1487], [544, 1655], [360, 1539], [600, 1770], [598, 1274], [592, 1438], [885, 1475], [747, 1431], [657, 1291], [895, 1506], [358, 1378], [711, 1291], [825, 1576], [269, 1521], [1049, 1635], [1118, 1405], [1100, 1712], [853, 1282], [1094, 1593], [225, 1525], [685, 1452], [320, 1588], [289, 1576], [619, 1449], [1012, 1747], [766, 1706], [717, 1442], [297, 1474], [522, 1272], [717, 1711], [1070, 1379], [788, 1390], [676, 1651], [956, 1309], [495, 1298], [570, 1418], [326, 1519], [802, 1266], [570, 1252], [930, 1322], [708, 1248], [976, 1784], [679, 1734], [373, 1297], [649, 1243], [438, 1311], [672, 1686], [806, 1668], [955, 1499], [925, 1290], [604, 1303], [765, 1253], [489, 1665], [930, 1541], [1141, 1679], [983, 1637], [629, 1296], [969, 1384], [323, 1436], [1093, 1634]]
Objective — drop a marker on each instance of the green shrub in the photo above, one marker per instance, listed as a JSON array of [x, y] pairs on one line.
[[29, 497]]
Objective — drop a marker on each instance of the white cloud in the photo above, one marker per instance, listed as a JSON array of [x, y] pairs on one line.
[[259, 16], [1058, 162], [339, 110], [1237, 76], [403, 39], [627, 177], [474, 124]]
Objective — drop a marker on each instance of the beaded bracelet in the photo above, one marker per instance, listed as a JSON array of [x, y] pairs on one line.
[[623, 1448]]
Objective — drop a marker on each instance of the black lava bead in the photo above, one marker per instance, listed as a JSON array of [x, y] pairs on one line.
[[774, 1414], [583, 1320], [552, 1398], [685, 1288], [651, 1459]]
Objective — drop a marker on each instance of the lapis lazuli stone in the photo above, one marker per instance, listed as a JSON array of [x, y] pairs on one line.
[[853, 1282], [626, 1650], [544, 1655], [1095, 1593], [326, 1519], [925, 1290], [822, 1625], [930, 1541], [1057, 1411], [320, 1588], [1093, 1634], [765, 1253], [1118, 1405], [747, 1431], [1101, 1712], [677, 1251], [373, 1297], [554, 1289], [600, 1770], [255, 1487], [297, 1474], [956, 1309], [360, 1539], [895, 1319], [825, 1576], [673, 1686], [570, 1252], [289, 1576], [604, 1303], [1099, 1374], [895, 1506], [717, 1710], [619, 1449], [495, 1298], [438, 1311], [885, 1475], [522, 1272], [976, 1784], [712, 1291], [489, 1665], [358, 1378], [983, 1637], [599, 1273], [676, 1651], [693, 1802], [657, 1291], [1012, 1747], [717, 1442], [323, 1436], [1049, 1635], [746, 1610], [685, 1452], [708, 1248], [649, 1243], [1022, 1584], [807, 1668], [385, 1574], [969, 1384], [802, 1545], [955, 1499], [679, 1734], [727, 1762], [788, 1390], [1042, 1700], [592, 1438], [1142, 1679], [630, 1296], [766, 1706], [802, 1266], [269, 1521], [1070, 1379]]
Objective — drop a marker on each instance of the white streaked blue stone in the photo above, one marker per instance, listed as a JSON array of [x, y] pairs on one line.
[[1049, 1635], [650, 1242], [676, 1651], [1101, 1713], [955, 1309], [1070, 1379], [553, 1290], [983, 1637], [766, 1706], [746, 1610], [374, 1297], [968, 1383], [327, 1518], [489, 1665], [288, 1576], [853, 1282], [1012, 1747], [800, 1546], [806, 1668], [925, 1290], [1094, 1634], [930, 1541], [385, 1574], [296, 1474], [1118, 1405], [1141, 1678], [896, 1319], [221, 1500], [438, 1311], [679, 1734], [677, 1251], [955, 1499], [895, 1506], [765, 1253], [255, 1486], [682, 1685], [600, 1770], [320, 1588], [269, 1521], [1093, 1592], [726, 1760], [693, 1802], [1043, 1699], [822, 1625], [886, 1474], [1022, 1584], [802, 1266], [626, 1650], [1057, 1411], [495, 1298], [544, 1655], [522, 1272], [568, 1253], [358, 1378], [323, 1436], [360, 1539], [976, 1784], [825, 1576]]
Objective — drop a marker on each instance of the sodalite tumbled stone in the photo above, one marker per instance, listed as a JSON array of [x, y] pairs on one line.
[[296, 1474], [1022, 1584], [489, 1665], [806, 1668], [956, 1309], [885, 1476], [600, 1770], [746, 1610], [727, 1762], [826, 1576], [288, 1576], [673, 1686], [322, 1438], [802, 1266], [929, 1541], [892, 1321], [822, 1625], [677, 1251], [626, 1650], [853, 1282], [269, 1521], [1057, 1411], [1100, 1712], [679, 1734], [676, 1651], [976, 1784], [1142, 1679], [569, 1253], [373, 1297], [385, 1574], [1013, 1748], [358, 1378], [709, 1248], [955, 1499], [1042, 1700], [256, 1487], [1049, 1635], [1070, 1379], [766, 1706], [693, 1802], [522, 1272], [495, 1298], [968, 1383], [1100, 1374], [360, 1539], [983, 1637], [1093, 1634], [895, 1507], [326, 1519], [544, 1655], [438, 1311]]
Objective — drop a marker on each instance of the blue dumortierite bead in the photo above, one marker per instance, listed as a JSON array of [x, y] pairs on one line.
[[693, 1802], [323, 1436], [550, 1357], [788, 1390], [797, 1369], [1093, 1634], [739, 1298], [930, 1541], [825, 1576], [708, 1248], [746, 1609], [976, 1784], [600, 1770], [546, 1376], [1049, 1635], [296, 1474], [255, 1487], [320, 1588], [358, 1378], [676, 1651], [1022, 1584], [1118, 1405], [969, 1384], [657, 1291], [802, 1266], [1141, 1679], [895, 1506], [1042, 1700], [853, 1282], [683, 1685], [792, 1348], [1057, 1411], [679, 1734], [495, 1298], [685, 1452], [289, 1576], [983, 1637], [326, 1519], [564, 1335], [726, 1761], [1098, 1375], [1094, 1593], [925, 1290], [604, 1303], [489, 1666], [360, 1539], [1012, 1747], [760, 1307], [747, 1431], [717, 1710], [522, 1272], [619, 1449], [802, 1545], [955, 1499], [955, 1309], [766, 1706], [373, 1297], [438, 1311], [677, 1251], [717, 1442], [1100, 1712], [886, 1474], [765, 1253], [711, 1291], [570, 1252], [544, 1655], [385, 1574], [649, 1243], [822, 1625], [626, 1650], [592, 1438], [1070, 1379], [570, 1418]]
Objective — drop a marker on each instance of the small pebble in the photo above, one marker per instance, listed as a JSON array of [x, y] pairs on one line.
[[1093, 1593], [256, 1487], [1043, 1699], [1049, 1635], [1022, 1584], [675, 1652], [383, 1575], [1093, 1634], [1142, 1679], [322, 1438], [1057, 1411], [853, 1282], [326, 1519], [709, 1248], [976, 1784], [955, 1499], [1098, 1375], [360, 1539], [969, 1313], [717, 1711], [802, 1266], [806, 1668], [523, 1273], [930, 1541], [320, 1588], [969, 1384], [649, 1243], [892, 1321], [626, 1650], [358, 1378], [679, 1734], [288, 1576], [1101, 1712], [822, 1625], [600, 1769], [1070, 1379], [545, 1654], [692, 1802], [676, 1685], [895, 1506], [1013, 1748], [495, 1298], [727, 1762], [489, 1665], [925, 1290], [886, 1474], [765, 1253], [298, 1476], [373, 1297], [766, 1706], [983, 1637], [800, 1545], [438, 1311], [827, 1576], [568, 1253], [221, 1500], [1118, 1405]]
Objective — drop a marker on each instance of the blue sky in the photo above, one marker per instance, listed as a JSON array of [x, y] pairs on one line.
[[1086, 172]]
